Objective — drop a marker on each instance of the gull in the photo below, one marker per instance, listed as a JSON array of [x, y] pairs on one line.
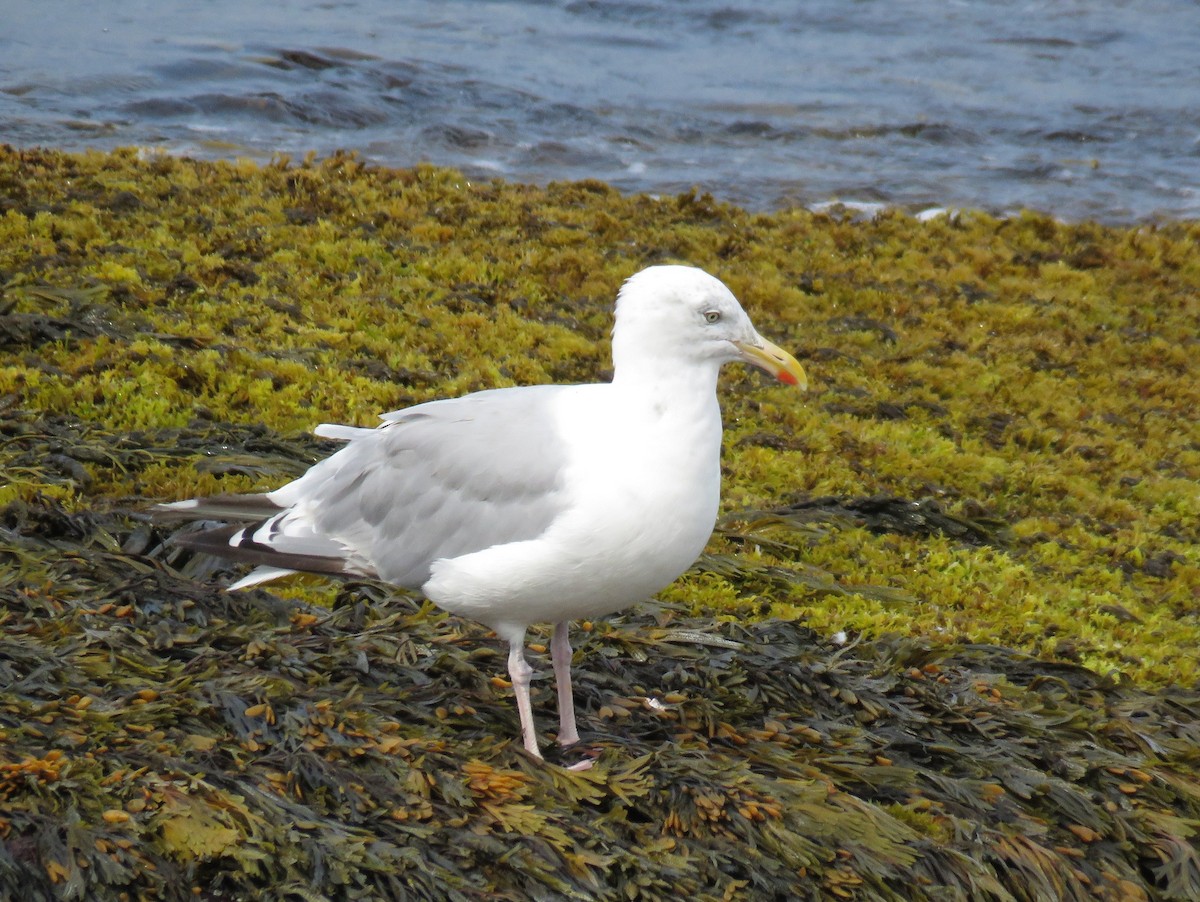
[[530, 504]]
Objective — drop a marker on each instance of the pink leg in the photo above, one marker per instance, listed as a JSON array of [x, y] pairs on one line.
[[560, 654], [520, 673]]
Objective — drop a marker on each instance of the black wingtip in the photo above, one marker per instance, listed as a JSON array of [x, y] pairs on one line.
[[224, 542]]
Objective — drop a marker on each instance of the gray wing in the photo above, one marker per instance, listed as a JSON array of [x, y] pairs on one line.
[[436, 480]]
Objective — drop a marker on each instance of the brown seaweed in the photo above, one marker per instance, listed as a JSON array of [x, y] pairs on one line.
[[163, 738]]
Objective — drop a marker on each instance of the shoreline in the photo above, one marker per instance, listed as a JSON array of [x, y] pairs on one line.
[[849, 205]]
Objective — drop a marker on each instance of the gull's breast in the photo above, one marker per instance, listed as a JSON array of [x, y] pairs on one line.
[[641, 490]]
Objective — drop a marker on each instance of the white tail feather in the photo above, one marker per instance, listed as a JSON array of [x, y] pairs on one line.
[[260, 575]]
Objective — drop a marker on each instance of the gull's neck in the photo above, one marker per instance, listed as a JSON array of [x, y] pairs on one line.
[[666, 379]]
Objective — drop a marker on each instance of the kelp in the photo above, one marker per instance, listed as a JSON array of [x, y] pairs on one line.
[[941, 646], [162, 738], [887, 514]]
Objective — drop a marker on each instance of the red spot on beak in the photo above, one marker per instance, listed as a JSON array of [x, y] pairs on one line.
[[785, 376]]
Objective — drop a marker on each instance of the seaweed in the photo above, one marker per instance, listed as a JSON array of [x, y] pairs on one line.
[[162, 738], [941, 645], [885, 514]]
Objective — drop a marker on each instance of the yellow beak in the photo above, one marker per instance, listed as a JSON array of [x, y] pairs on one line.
[[776, 361]]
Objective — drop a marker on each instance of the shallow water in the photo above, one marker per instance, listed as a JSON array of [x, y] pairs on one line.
[[1083, 110]]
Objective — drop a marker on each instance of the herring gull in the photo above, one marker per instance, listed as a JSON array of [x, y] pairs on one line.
[[532, 504]]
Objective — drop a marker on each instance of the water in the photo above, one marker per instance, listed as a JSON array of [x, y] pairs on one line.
[[1086, 110]]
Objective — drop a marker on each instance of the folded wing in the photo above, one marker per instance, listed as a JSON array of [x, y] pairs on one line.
[[434, 481]]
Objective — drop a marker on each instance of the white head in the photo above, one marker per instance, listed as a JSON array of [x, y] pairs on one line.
[[679, 316]]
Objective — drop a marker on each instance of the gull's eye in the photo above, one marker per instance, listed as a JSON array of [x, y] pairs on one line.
[[712, 316]]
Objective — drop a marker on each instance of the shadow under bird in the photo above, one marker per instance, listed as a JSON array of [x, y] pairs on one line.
[[533, 504]]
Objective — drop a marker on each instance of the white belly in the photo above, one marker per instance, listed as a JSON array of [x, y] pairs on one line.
[[643, 504]]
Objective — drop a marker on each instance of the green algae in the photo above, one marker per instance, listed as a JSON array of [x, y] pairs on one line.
[[171, 328], [1035, 371]]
